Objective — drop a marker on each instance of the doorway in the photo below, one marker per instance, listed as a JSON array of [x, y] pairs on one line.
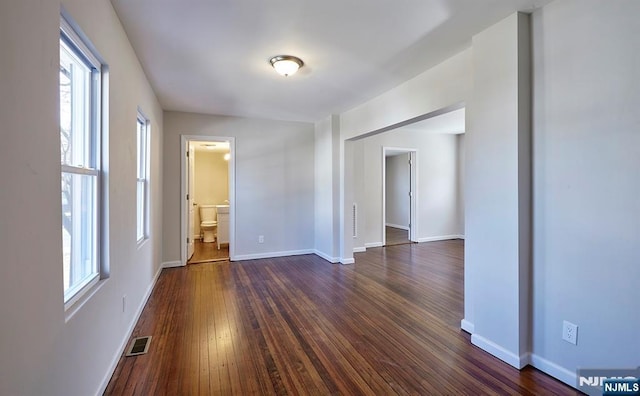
[[399, 220], [208, 199], [436, 140]]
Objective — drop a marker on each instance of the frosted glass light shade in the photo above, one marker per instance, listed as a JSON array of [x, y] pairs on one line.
[[286, 65]]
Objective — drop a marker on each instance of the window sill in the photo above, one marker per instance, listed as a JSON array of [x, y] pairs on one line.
[[142, 242], [74, 306]]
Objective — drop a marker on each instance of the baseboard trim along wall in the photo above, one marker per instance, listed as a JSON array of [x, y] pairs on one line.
[[257, 256], [347, 261], [359, 249], [397, 226], [373, 245], [330, 259], [568, 377], [467, 326], [525, 360], [171, 264], [560, 373], [132, 325], [499, 352], [440, 238]]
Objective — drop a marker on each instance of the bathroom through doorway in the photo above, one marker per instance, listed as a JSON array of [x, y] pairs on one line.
[[207, 211]]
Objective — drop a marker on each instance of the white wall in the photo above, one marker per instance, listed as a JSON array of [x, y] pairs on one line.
[[326, 213], [460, 150], [444, 85], [43, 351], [274, 182], [586, 182], [437, 193], [497, 259], [397, 191], [323, 180], [211, 182], [359, 183]]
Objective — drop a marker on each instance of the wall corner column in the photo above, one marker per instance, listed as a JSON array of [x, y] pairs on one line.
[[498, 192]]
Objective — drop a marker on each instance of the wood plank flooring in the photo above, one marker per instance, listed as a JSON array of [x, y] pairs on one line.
[[205, 252], [389, 324], [396, 236]]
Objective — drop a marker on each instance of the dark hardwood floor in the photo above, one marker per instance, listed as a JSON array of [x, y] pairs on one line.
[[206, 252], [389, 324], [396, 236]]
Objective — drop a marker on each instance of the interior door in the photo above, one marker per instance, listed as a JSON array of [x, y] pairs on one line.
[[190, 204]]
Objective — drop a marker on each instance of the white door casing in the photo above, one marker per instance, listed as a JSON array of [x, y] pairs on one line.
[[184, 189], [413, 191], [190, 204]]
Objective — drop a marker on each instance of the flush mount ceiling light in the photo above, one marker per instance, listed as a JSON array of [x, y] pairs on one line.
[[286, 65]]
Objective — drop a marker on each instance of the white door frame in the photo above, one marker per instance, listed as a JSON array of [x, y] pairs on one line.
[[190, 177], [413, 185], [184, 147]]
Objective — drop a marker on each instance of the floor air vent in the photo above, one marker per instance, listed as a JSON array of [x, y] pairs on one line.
[[139, 346]]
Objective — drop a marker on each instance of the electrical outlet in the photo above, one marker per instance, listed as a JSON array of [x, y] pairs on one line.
[[570, 332], [124, 302], [261, 239]]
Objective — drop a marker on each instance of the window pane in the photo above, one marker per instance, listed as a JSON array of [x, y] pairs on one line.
[[79, 87], [75, 109], [139, 136], [79, 236], [142, 138], [141, 209], [142, 149]]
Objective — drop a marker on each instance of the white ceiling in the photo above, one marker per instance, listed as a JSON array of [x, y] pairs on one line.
[[211, 56]]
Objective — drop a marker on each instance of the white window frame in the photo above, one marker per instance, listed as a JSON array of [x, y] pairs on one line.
[[143, 126], [80, 51]]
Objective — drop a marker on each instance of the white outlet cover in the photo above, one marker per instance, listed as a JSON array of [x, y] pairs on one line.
[[570, 332]]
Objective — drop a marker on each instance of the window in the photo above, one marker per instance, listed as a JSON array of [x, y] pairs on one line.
[[143, 182], [80, 108]]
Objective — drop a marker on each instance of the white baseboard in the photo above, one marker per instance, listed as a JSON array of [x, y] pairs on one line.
[[347, 261], [359, 249], [500, 352], [556, 371], [467, 326], [171, 264], [568, 377], [525, 360], [132, 325], [397, 226], [257, 256], [373, 245], [440, 238], [330, 259]]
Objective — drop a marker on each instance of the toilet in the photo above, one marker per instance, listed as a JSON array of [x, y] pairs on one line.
[[208, 223]]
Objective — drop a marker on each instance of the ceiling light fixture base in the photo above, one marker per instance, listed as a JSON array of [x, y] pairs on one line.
[[286, 65]]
